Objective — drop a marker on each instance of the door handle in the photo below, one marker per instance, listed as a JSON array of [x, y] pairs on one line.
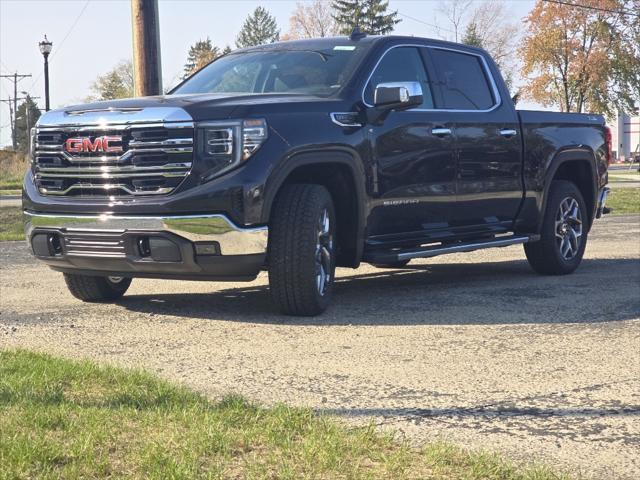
[[508, 132], [441, 132]]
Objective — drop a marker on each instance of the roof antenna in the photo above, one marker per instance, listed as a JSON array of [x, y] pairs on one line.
[[357, 34]]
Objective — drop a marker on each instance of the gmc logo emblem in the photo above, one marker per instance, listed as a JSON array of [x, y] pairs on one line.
[[99, 144]]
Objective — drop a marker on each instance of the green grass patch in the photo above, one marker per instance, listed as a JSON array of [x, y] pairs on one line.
[[11, 226], [72, 420], [624, 200]]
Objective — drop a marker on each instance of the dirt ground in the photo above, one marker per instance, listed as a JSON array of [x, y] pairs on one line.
[[473, 348]]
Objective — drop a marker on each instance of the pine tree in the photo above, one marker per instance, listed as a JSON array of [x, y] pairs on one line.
[[200, 53], [376, 20], [259, 28], [370, 15], [471, 36]]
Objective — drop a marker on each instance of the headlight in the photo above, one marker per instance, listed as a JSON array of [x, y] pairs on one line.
[[223, 146]]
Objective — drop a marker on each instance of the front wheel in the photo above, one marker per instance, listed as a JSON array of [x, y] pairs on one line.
[[301, 254], [96, 289], [563, 237]]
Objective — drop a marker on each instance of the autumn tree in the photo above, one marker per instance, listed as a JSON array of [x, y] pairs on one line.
[[259, 28], [583, 59], [200, 53], [27, 115], [371, 16], [312, 20], [116, 83]]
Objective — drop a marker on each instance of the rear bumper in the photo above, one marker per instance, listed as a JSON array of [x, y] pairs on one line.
[[602, 200], [204, 247]]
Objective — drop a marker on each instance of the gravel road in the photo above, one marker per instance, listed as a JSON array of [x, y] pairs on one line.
[[473, 348]]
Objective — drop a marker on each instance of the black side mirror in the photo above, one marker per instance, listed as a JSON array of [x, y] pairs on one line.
[[394, 96]]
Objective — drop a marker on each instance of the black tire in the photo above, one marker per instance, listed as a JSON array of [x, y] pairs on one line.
[[299, 251], [546, 256], [398, 264], [96, 289]]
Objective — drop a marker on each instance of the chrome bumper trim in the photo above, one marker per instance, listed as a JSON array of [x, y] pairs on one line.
[[233, 240]]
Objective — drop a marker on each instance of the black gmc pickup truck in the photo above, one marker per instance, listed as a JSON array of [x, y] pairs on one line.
[[296, 157]]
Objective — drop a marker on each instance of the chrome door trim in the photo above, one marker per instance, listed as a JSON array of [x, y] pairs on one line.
[[485, 66]]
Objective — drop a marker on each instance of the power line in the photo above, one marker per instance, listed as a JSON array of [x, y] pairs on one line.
[[432, 25], [73, 25], [589, 7]]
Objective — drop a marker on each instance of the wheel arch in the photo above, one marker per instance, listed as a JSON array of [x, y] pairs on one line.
[[341, 172], [577, 166]]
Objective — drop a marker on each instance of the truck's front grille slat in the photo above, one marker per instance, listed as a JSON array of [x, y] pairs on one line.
[[116, 160]]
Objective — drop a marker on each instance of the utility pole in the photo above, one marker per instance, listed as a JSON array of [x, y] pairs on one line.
[[14, 117], [147, 68], [16, 78]]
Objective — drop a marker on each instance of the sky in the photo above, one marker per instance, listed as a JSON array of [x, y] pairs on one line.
[[91, 36]]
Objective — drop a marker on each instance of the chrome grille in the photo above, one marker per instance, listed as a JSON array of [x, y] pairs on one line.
[[86, 244], [142, 159]]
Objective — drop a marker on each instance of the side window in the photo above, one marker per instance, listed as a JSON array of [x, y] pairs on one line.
[[462, 80], [401, 64]]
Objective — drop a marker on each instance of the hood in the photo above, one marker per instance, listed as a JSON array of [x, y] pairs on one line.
[[165, 108]]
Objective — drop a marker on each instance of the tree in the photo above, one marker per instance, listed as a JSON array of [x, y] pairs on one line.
[[26, 117], [455, 11], [200, 53], [583, 59], [312, 20], [259, 28], [489, 26], [370, 16], [116, 83], [472, 37], [498, 34]]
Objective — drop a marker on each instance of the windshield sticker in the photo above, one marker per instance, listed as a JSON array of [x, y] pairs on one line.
[[344, 47]]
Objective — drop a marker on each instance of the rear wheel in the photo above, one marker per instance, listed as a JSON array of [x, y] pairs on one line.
[[564, 232], [96, 289], [301, 253]]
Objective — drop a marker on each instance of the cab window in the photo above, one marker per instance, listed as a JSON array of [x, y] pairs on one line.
[[401, 64]]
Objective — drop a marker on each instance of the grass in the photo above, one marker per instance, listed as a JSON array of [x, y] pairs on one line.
[[11, 226], [13, 165], [72, 420], [624, 200]]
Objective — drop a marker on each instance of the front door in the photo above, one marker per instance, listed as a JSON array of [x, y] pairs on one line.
[[413, 152]]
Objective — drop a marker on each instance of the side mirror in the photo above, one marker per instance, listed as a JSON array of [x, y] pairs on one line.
[[397, 95], [393, 96]]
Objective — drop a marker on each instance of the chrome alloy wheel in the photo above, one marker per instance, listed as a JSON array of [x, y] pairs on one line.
[[324, 252], [568, 228]]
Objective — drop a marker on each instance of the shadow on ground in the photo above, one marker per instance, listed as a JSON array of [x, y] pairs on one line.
[[601, 290]]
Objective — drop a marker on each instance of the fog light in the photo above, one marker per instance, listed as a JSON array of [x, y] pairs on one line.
[[163, 250], [207, 248]]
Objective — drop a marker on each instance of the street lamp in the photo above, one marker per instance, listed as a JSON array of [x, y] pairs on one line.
[[45, 49]]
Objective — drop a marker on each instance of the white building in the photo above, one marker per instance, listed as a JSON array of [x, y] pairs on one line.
[[626, 136]]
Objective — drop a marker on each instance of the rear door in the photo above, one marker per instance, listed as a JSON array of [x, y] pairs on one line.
[[488, 144]]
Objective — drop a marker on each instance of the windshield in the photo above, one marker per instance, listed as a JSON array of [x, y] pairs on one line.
[[311, 72]]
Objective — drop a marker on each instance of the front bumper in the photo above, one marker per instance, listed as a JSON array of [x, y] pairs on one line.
[[204, 247]]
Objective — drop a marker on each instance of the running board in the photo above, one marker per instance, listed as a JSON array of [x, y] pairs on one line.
[[398, 255]]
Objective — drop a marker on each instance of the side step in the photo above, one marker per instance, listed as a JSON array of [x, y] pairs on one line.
[[396, 255]]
